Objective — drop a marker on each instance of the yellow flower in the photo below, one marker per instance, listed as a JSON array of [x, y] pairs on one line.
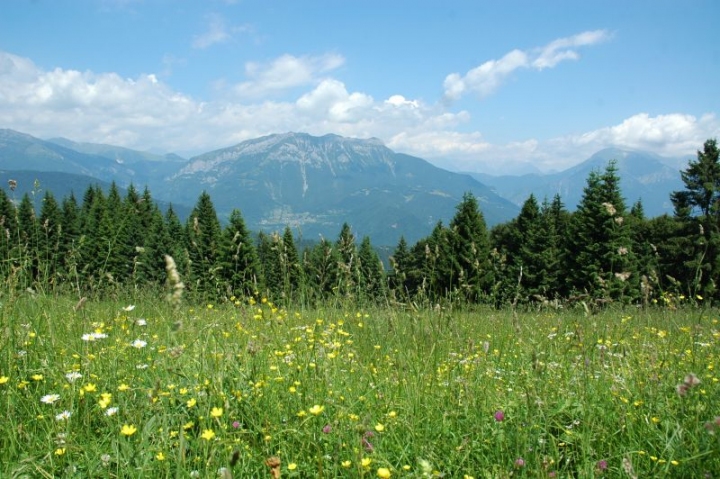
[[346, 464], [292, 466], [383, 472], [379, 427], [191, 402], [366, 462], [208, 434], [4, 379], [188, 425], [59, 451], [160, 456], [216, 412], [105, 399], [123, 387], [128, 430], [37, 377], [90, 387], [316, 410]]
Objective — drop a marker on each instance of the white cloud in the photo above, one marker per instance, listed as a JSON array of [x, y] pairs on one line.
[[285, 72], [144, 113], [486, 78], [217, 31]]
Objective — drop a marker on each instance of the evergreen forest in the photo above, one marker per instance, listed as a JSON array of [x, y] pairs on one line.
[[603, 252]]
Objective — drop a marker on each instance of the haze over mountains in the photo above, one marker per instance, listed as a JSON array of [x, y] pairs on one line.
[[314, 184]]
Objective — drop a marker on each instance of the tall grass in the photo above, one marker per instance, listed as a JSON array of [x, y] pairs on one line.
[[105, 390]]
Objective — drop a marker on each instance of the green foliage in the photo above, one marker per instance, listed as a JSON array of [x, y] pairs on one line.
[[106, 390]]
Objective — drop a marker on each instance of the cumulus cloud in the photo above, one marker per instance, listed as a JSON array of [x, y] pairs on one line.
[[217, 31], [487, 78], [144, 113], [285, 72]]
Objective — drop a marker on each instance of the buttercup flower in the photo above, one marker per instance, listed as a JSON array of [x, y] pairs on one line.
[[128, 430]]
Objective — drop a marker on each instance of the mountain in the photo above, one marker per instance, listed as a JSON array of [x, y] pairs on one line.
[[314, 184], [143, 165], [643, 176]]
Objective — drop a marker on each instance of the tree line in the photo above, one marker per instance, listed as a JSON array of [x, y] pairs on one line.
[[602, 252]]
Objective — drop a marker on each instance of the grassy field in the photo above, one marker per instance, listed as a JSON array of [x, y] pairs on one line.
[[246, 389]]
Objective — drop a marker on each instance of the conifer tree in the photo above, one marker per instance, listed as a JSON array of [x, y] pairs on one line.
[[372, 272], [600, 250], [204, 236], [400, 263], [8, 232], [238, 258], [321, 269], [292, 267], [698, 209], [348, 264], [470, 251], [50, 240]]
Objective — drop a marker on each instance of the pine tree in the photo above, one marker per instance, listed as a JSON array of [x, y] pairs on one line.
[[348, 264], [50, 240], [400, 263], [8, 232], [698, 209], [470, 251], [204, 238], [322, 272], [238, 258], [372, 272], [600, 250], [292, 267]]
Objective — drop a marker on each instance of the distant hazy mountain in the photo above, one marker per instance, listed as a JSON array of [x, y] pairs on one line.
[[643, 175], [313, 184], [316, 183]]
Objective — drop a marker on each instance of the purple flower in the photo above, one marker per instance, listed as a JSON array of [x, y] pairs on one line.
[[327, 429], [602, 465], [236, 424], [519, 462], [499, 416]]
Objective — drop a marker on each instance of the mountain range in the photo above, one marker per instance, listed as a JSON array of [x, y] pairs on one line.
[[314, 184]]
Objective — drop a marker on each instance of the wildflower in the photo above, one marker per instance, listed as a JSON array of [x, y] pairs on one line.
[[601, 465], [208, 434], [292, 466], [128, 308], [365, 462], [383, 472], [63, 416], [688, 383], [105, 399], [37, 377], [49, 398], [327, 429], [90, 388], [123, 387], [138, 344], [316, 410], [73, 376], [191, 402], [346, 464], [59, 451], [111, 411], [236, 424], [379, 427], [160, 456], [141, 322], [216, 412], [128, 430], [4, 379], [499, 416]]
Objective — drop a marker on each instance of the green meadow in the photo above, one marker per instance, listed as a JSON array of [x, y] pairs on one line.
[[144, 388]]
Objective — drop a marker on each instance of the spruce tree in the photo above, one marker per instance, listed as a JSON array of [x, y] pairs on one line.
[[601, 256], [469, 250], [348, 264], [238, 258], [50, 240], [204, 236], [372, 272], [698, 209]]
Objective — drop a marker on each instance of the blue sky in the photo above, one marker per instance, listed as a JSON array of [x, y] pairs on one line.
[[492, 86]]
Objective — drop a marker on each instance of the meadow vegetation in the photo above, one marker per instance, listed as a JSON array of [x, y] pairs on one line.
[[245, 388]]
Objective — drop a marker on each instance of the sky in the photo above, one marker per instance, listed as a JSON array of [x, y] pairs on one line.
[[480, 86]]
